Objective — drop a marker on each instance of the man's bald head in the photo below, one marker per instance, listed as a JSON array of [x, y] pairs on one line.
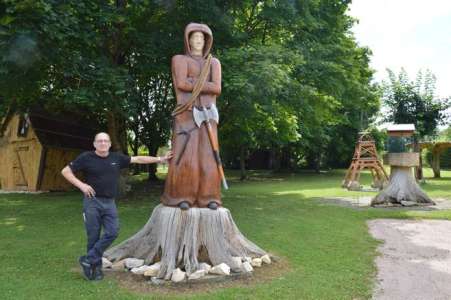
[[102, 143], [102, 136]]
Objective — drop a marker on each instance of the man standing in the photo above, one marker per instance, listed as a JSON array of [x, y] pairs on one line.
[[101, 169]]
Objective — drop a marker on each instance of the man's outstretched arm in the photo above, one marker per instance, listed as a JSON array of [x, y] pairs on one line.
[[150, 159]]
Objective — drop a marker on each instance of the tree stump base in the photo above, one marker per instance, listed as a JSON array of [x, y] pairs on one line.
[[402, 190], [183, 239]]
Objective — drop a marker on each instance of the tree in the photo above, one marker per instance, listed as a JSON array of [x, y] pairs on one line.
[[414, 103], [304, 99], [337, 80], [257, 106], [74, 57]]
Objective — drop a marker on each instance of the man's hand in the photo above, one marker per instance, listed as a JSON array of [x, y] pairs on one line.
[[167, 157], [87, 190]]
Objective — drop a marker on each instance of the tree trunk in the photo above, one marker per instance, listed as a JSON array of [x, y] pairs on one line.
[[115, 49], [274, 159], [183, 239], [118, 143], [243, 175], [287, 158], [436, 162], [318, 162], [116, 130], [419, 169], [152, 168], [402, 189], [136, 167]]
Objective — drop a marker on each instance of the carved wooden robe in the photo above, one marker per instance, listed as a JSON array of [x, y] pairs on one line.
[[193, 175]]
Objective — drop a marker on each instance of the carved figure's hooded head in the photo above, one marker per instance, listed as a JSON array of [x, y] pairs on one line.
[[208, 37]]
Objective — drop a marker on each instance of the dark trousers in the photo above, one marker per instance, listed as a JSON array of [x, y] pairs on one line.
[[97, 213]]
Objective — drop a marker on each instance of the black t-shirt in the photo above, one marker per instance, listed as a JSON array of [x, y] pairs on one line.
[[101, 173]]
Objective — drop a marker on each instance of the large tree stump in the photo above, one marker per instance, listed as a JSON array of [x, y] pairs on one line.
[[183, 239], [402, 189]]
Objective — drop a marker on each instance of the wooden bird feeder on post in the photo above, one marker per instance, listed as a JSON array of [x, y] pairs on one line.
[[402, 188], [365, 157]]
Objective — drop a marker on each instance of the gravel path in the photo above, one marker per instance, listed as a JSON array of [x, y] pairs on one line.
[[415, 259]]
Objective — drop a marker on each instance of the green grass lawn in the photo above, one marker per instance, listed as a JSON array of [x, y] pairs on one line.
[[330, 253]]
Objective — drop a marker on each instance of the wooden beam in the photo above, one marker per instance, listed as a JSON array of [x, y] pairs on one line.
[[41, 168]]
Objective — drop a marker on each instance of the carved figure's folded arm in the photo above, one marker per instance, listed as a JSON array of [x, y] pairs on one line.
[[180, 71], [214, 86]]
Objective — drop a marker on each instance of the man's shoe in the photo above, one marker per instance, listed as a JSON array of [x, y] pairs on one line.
[[213, 205], [86, 267], [184, 205], [97, 273]]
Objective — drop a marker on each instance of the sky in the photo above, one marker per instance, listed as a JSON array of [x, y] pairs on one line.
[[413, 34]]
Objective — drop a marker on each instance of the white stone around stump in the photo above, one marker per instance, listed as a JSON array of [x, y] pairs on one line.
[[247, 267], [178, 275], [204, 266], [256, 262], [140, 270], [118, 265], [106, 264], [131, 263], [221, 269], [197, 275], [266, 259], [153, 270]]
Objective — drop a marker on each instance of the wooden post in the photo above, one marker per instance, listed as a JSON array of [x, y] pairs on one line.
[[436, 151]]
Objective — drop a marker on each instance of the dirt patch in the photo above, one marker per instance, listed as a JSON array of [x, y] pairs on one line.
[[415, 260], [139, 284]]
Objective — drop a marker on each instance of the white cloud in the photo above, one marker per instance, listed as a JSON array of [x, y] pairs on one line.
[[414, 34]]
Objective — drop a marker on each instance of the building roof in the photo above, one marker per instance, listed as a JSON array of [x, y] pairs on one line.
[[401, 127], [63, 130], [437, 145]]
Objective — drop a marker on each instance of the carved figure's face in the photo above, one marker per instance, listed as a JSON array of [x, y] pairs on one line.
[[197, 41]]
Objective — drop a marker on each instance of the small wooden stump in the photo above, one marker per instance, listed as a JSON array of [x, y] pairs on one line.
[[183, 239], [402, 189]]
